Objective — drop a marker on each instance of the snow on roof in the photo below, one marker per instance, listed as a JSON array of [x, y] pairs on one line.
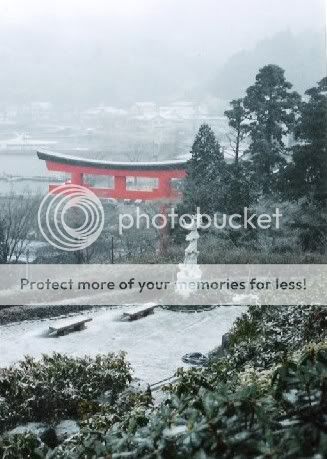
[[80, 161], [105, 110]]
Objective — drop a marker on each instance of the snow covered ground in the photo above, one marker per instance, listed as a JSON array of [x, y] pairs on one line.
[[154, 344]]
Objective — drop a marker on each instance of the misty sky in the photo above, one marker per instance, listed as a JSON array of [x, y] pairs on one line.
[[196, 26], [117, 52]]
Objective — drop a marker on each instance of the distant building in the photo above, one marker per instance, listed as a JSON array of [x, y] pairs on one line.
[[142, 110], [103, 110]]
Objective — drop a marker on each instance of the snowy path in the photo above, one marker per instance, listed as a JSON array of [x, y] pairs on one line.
[[154, 345]]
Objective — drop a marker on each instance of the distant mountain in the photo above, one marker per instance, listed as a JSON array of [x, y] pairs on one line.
[[45, 63], [302, 56], [39, 65]]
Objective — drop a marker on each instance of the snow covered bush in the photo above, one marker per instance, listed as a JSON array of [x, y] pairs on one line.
[[286, 420], [130, 410], [58, 386], [267, 335], [22, 446]]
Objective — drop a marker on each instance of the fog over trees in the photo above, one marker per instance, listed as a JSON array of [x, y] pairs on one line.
[[161, 51]]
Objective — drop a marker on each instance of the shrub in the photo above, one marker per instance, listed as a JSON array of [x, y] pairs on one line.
[[267, 335], [22, 446], [57, 385], [286, 420]]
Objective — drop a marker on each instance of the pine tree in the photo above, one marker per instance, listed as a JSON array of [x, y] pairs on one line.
[[237, 117], [205, 170], [306, 176], [239, 191], [272, 108]]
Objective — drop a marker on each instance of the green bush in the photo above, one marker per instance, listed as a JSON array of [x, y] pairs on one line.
[[22, 446], [56, 386], [267, 335], [285, 421], [130, 410]]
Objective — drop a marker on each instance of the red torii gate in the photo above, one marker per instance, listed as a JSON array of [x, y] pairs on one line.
[[163, 171]]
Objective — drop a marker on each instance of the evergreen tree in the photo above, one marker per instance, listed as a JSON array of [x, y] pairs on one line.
[[237, 117], [271, 107], [205, 170], [306, 176], [238, 190]]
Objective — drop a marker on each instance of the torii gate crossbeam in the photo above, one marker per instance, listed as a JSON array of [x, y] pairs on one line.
[[163, 171]]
